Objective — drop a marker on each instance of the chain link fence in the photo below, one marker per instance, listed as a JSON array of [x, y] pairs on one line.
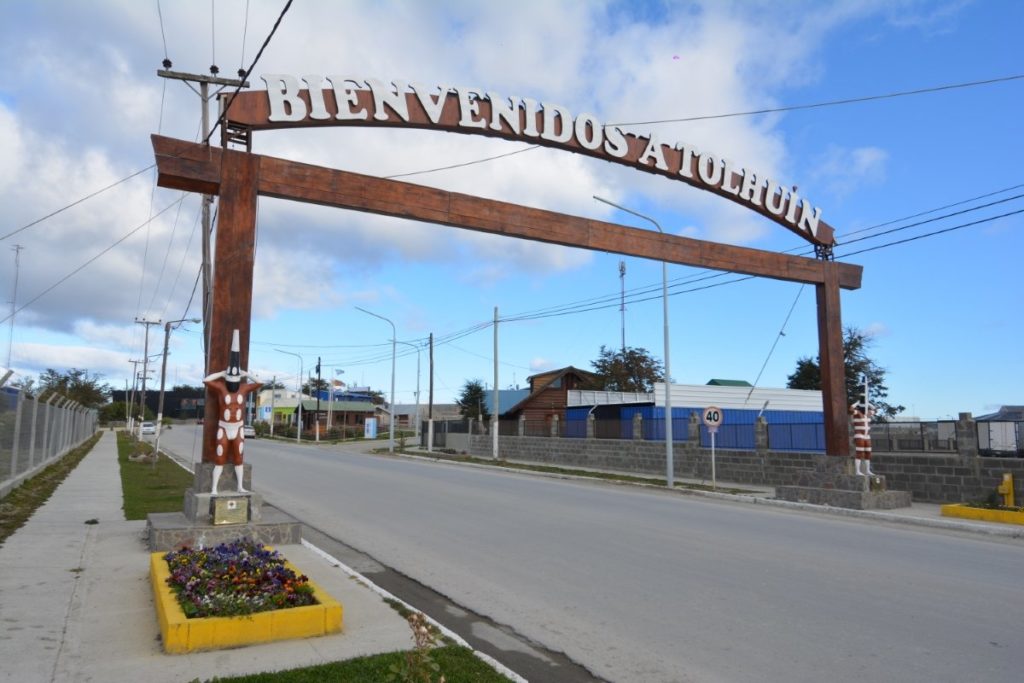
[[34, 432]]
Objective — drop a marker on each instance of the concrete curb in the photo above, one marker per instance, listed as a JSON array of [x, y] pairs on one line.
[[942, 524], [490, 661]]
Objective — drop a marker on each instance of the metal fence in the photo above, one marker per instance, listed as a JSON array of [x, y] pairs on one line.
[[939, 436], [34, 432], [1001, 438]]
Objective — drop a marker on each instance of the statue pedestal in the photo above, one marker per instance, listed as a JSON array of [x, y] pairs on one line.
[[830, 483], [208, 519]]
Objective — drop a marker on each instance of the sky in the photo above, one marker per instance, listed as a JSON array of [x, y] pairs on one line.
[[80, 97]]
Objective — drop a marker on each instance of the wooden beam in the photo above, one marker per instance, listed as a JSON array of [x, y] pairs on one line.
[[832, 364], [232, 275], [189, 166]]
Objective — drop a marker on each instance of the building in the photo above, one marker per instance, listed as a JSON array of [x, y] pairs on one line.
[[548, 395]]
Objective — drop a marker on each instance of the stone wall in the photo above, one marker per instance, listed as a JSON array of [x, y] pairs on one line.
[[930, 478]]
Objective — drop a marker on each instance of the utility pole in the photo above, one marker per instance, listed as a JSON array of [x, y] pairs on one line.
[[131, 403], [145, 365], [622, 303], [495, 419], [204, 96], [318, 398], [14, 300], [273, 394], [430, 405]]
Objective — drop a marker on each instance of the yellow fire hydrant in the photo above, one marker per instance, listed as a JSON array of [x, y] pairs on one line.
[[1006, 490]]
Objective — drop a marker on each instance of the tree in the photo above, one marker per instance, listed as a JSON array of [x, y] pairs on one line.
[[633, 369], [471, 400], [856, 343], [77, 384], [313, 385]]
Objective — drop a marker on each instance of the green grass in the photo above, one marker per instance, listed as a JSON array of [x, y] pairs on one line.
[[17, 506], [458, 664], [551, 469], [146, 488]]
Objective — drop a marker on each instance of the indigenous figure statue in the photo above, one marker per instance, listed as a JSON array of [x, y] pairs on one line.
[[230, 391], [862, 413]]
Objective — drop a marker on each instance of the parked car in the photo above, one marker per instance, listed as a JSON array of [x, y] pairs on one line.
[[148, 428], [248, 432]]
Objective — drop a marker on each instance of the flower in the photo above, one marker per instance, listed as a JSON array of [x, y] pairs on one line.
[[236, 578]]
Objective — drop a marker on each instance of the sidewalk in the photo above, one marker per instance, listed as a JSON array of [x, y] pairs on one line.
[[76, 605], [919, 514]]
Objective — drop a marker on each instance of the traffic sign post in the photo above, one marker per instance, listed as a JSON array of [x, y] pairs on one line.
[[712, 418]]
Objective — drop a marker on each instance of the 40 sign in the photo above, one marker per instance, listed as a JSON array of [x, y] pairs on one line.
[[712, 418]]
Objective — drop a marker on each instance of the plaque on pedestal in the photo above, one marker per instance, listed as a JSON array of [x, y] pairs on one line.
[[229, 509]]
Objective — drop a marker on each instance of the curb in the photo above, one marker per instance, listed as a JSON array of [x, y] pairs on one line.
[[490, 661], [942, 524]]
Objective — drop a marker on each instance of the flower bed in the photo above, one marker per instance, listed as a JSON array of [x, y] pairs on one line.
[[233, 579], [1003, 516], [255, 594]]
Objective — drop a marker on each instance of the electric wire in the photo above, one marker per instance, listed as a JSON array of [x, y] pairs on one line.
[[245, 77], [181, 265], [163, 36], [927, 234], [780, 335], [77, 202], [827, 103], [91, 260], [245, 33]]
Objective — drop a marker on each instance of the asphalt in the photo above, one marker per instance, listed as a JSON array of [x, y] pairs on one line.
[[76, 605]]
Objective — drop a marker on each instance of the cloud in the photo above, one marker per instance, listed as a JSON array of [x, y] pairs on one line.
[[539, 364], [842, 170]]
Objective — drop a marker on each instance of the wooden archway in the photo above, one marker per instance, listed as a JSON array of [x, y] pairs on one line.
[[239, 177]]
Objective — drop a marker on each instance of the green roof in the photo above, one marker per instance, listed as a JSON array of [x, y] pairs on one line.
[[729, 383]]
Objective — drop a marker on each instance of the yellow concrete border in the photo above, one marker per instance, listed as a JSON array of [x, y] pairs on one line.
[[983, 514], [181, 634]]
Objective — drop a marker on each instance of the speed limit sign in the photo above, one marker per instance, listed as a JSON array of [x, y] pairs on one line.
[[712, 417]]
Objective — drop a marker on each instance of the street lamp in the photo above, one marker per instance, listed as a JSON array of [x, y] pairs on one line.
[[163, 379], [417, 429], [670, 481], [391, 420], [298, 432]]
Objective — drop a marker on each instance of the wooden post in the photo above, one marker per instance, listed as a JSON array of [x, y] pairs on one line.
[[833, 367], [232, 276]]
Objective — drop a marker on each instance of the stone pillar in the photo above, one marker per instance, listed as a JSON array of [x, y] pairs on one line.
[[522, 425], [591, 426], [638, 427], [554, 425], [761, 435], [693, 430], [966, 436]]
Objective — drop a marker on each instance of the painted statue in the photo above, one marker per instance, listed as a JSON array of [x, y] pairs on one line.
[[862, 413], [230, 390]]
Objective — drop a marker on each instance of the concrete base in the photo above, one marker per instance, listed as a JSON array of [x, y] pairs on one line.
[[203, 478], [172, 530], [855, 500], [831, 483], [197, 505]]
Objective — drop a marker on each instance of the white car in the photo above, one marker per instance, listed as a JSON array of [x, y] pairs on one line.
[[248, 432], [148, 428]]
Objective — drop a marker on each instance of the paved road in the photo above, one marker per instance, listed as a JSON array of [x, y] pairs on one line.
[[643, 586]]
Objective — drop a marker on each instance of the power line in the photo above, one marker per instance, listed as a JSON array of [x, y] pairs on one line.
[[90, 261], [245, 77], [462, 165], [932, 220], [930, 234], [163, 36], [829, 103], [77, 202]]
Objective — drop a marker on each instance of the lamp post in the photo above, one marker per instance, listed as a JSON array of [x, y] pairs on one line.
[[417, 427], [391, 419], [298, 432], [163, 380], [669, 478]]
